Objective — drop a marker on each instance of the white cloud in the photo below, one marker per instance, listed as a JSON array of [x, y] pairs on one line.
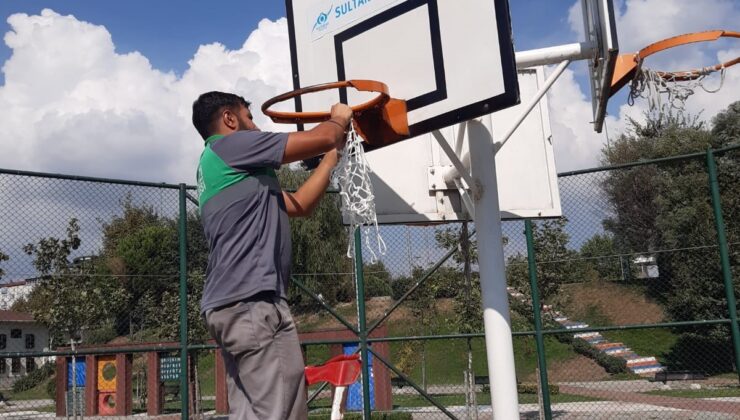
[[72, 104], [574, 140]]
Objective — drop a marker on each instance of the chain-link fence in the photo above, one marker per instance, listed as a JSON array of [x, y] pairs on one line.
[[632, 316]]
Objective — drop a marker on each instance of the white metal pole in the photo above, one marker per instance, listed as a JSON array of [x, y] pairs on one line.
[[553, 55], [496, 320]]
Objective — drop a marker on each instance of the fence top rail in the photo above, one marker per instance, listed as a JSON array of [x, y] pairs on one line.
[[90, 179], [330, 190], [103, 180], [698, 155]]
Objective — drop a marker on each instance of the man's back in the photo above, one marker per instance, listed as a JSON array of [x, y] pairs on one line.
[[244, 217]]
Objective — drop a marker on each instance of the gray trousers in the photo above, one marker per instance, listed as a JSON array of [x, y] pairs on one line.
[[263, 359]]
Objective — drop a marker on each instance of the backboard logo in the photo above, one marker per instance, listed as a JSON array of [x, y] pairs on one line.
[[322, 21]]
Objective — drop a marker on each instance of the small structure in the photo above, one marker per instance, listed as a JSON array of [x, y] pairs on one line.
[[647, 266], [107, 386], [20, 333]]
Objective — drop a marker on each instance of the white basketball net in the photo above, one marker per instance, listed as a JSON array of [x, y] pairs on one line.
[[649, 84], [358, 201]]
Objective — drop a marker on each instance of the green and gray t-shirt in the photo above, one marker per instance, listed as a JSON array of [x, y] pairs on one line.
[[244, 217]]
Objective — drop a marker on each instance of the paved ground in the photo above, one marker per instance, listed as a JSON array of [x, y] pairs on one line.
[[624, 400], [588, 410]]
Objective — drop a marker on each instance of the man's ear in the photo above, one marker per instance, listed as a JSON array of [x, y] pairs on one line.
[[229, 119]]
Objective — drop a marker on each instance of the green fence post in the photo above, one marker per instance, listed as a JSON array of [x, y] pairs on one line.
[[537, 320], [724, 256], [183, 240], [362, 324]]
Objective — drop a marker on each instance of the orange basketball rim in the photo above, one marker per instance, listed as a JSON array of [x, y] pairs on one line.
[[628, 64]]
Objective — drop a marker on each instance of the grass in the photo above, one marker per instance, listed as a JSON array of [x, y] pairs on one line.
[[448, 400], [36, 393], [653, 342], [447, 359], [482, 398], [207, 372], [175, 406]]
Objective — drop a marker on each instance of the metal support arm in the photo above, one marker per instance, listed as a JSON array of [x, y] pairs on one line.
[[553, 55], [456, 162], [534, 101]]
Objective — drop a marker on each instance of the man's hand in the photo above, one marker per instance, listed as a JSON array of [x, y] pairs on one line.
[[342, 114], [320, 139], [331, 158]]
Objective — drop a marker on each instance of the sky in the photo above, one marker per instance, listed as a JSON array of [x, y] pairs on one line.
[[104, 88]]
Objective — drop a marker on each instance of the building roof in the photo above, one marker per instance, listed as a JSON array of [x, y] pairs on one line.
[[14, 283], [14, 316]]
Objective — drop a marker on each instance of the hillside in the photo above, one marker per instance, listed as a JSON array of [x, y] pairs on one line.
[[617, 304]]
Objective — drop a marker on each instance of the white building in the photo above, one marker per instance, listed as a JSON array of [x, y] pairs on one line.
[[11, 292], [19, 333]]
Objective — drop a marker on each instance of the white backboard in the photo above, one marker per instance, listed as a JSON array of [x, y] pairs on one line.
[[451, 60], [600, 26], [527, 179]]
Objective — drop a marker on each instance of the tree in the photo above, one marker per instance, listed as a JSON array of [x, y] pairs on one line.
[[467, 291], [319, 249], [3, 257], [377, 280], [666, 207], [140, 251], [149, 258], [602, 258], [70, 298], [633, 193], [556, 264]]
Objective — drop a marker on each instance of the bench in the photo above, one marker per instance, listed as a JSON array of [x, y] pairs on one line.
[[679, 375], [398, 382]]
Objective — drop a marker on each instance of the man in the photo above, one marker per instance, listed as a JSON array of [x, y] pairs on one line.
[[245, 219]]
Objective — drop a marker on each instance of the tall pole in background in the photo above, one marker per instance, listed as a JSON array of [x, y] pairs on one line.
[[536, 308], [362, 324], [724, 256], [182, 233]]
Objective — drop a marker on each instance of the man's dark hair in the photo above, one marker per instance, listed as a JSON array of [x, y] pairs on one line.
[[209, 106]]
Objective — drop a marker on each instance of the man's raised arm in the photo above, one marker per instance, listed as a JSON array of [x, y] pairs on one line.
[[324, 137]]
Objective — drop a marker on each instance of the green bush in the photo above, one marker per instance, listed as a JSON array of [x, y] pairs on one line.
[[531, 388], [51, 389], [101, 335], [610, 363], [34, 378], [400, 285], [376, 286]]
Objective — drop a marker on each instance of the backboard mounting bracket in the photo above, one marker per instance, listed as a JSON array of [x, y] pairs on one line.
[[437, 182], [600, 49], [455, 159]]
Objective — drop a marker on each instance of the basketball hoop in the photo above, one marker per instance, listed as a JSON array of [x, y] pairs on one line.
[[652, 84], [378, 122]]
